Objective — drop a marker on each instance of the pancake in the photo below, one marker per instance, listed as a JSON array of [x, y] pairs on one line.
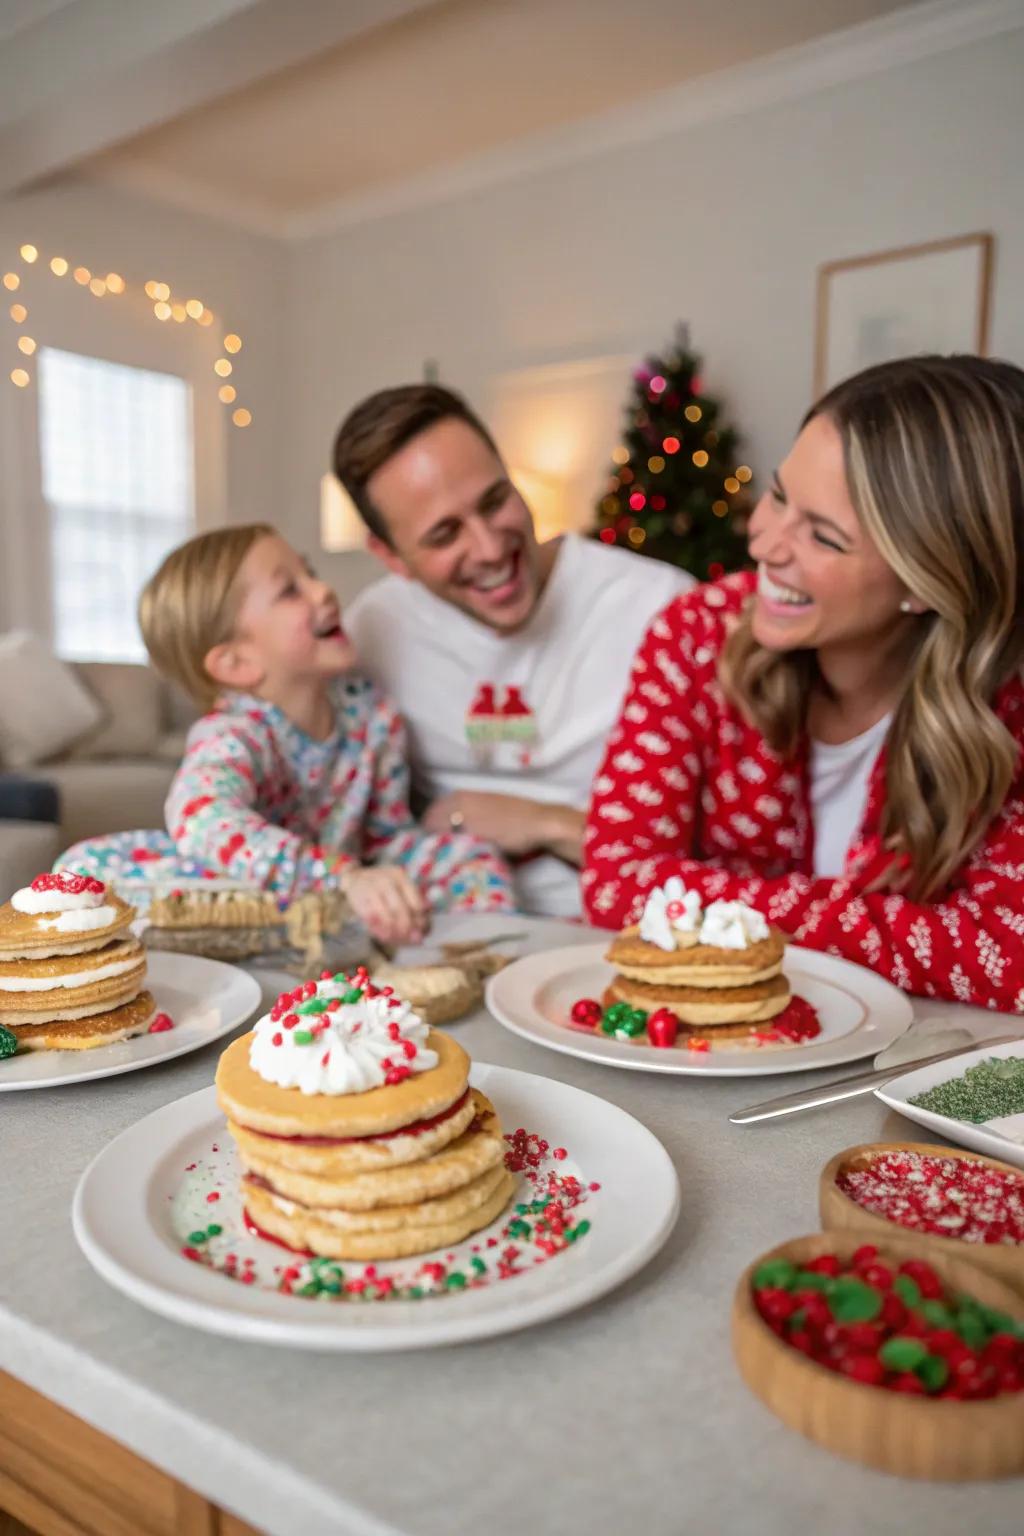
[[67, 991], [630, 949], [702, 1006], [360, 1156], [425, 1227], [476, 1151], [83, 1034], [699, 965], [248, 1099], [25, 935]]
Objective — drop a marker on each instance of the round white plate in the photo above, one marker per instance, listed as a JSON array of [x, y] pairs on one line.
[[135, 1203], [1003, 1139], [205, 998], [859, 1013]]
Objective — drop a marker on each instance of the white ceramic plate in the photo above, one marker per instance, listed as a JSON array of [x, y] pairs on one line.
[[205, 998], [135, 1203], [900, 1090], [859, 1012]]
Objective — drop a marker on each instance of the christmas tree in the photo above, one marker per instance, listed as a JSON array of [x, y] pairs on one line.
[[675, 490]]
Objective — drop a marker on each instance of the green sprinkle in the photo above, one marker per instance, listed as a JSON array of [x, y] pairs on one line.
[[415, 1292], [455, 1281], [581, 1229], [197, 1237], [311, 1288], [8, 1042], [933, 1372], [353, 995], [313, 1005], [214, 1229], [989, 1089], [303, 1037], [852, 1301], [775, 1274], [478, 1264], [908, 1291], [902, 1353]]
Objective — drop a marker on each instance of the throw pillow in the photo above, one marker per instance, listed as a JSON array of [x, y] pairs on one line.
[[43, 706]]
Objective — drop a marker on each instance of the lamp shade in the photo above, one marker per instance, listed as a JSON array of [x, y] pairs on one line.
[[341, 527], [545, 497]]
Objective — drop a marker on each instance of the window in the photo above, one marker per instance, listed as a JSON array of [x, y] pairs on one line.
[[116, 451]]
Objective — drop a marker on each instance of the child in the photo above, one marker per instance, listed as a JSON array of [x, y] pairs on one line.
[[296, 779]]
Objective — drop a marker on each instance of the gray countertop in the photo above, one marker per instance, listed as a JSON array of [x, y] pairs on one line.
[[626, 1416]]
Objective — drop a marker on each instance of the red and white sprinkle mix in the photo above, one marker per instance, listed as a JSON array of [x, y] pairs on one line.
[[945, 1196]]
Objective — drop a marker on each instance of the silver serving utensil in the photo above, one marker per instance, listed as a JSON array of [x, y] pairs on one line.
[[849, 1087]]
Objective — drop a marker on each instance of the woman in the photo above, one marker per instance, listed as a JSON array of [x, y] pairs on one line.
[[836, 738]]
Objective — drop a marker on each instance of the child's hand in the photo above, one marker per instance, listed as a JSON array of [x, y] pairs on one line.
[[386, 900]]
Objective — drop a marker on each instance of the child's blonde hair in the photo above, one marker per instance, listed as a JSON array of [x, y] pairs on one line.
[[190, 605]]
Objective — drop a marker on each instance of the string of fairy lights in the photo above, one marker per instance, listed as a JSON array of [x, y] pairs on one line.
[[640, 500], [165, 307]]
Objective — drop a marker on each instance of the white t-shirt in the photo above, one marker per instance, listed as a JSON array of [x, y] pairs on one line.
[[839, 794], [521, 714]]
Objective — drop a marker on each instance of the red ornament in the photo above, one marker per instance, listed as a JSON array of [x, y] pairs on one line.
[[607, 535], [587, 1011], [162, 1022], [663, 1027]]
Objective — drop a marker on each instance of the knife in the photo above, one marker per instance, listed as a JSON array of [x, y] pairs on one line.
[[849, 1087]]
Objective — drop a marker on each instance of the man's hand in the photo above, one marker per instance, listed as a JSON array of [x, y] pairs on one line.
[[516, 825], [387, 902]]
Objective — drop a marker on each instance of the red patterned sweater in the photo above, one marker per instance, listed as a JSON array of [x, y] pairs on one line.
[[687, 787]]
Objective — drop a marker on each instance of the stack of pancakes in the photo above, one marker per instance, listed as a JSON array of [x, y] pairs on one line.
[[724, 992], [394, 1170], [69, 989]]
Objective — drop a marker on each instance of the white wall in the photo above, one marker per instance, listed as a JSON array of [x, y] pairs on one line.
[[724, 225], [238, 276]]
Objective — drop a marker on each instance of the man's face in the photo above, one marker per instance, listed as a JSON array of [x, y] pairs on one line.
[[458, 525]]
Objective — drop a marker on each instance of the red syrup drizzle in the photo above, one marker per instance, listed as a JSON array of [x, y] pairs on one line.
[[415, 1129], [255, 1230]]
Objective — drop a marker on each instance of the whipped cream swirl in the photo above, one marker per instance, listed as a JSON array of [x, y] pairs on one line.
[[670, 909], [732, 925], [342, 1037]]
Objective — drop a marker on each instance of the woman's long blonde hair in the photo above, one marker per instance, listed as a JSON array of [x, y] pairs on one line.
[[934, 455], [189, 605]]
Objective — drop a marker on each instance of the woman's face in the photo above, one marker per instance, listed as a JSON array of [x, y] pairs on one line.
[[820, 580]]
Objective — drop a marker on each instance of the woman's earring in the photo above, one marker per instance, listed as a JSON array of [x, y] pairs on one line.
[[906, 606]]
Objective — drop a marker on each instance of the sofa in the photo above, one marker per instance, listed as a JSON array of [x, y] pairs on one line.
[[113, 779]]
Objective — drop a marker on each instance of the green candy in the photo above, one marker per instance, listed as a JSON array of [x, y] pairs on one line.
[[613, 1017], [313, 1005], [936, 1314], [303, 1037], [353, 995], [634, 1023], [850, 1300], [811, 1280], [902, 1353], [214, 1229], [775, 1275], [197, 1237], [908, 1291], [933, 1372], [455, 1281], [8, 1043]]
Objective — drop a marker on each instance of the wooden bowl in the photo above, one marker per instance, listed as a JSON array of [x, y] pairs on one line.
[[942, 1439], [839, 1213]]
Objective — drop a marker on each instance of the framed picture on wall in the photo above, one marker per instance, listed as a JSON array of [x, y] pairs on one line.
[[918, 298]]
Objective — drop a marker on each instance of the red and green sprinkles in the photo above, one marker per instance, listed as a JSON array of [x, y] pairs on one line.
[[942, 1196], [896, 1328], [536, 1229]]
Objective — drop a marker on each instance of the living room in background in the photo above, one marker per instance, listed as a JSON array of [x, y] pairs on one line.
[[117, 470]]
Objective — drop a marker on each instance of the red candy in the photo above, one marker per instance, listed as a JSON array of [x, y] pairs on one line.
[[162, 1022], [587, 1011], [68, 883], [663, 1027]]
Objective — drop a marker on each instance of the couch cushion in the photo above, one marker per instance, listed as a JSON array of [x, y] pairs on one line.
[[118, 795], [130, 697], [43, 705], [27, 849]]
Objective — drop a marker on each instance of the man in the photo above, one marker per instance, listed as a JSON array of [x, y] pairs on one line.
[[508, 658]]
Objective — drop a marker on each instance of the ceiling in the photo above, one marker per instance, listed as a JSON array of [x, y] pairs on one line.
[[272, 111]]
